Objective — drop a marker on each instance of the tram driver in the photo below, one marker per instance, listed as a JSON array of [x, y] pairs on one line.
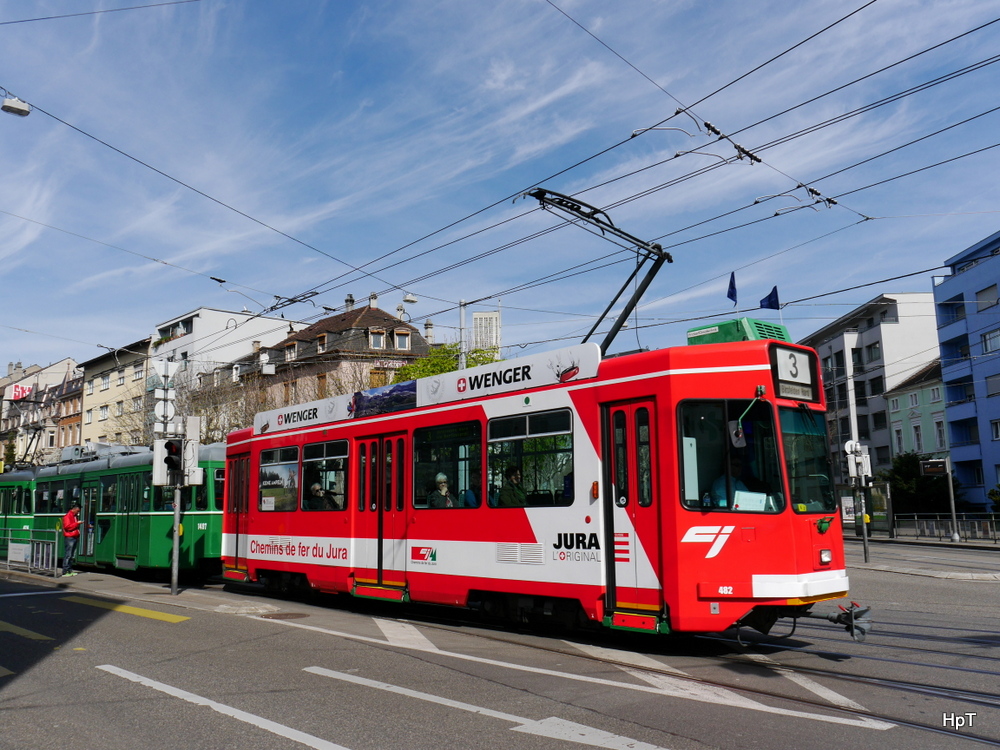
[[729, 479]]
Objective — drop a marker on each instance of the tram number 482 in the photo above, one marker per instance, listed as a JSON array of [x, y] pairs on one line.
[[725, 590]]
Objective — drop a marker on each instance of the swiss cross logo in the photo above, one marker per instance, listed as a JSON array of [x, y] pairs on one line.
[[462, 385], [716, 535], [423, 554], [281, 419]]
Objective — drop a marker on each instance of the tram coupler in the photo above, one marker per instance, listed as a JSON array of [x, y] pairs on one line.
[[855, 619]]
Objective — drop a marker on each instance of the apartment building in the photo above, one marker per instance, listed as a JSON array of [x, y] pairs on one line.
[[864, 353], [968, 320]]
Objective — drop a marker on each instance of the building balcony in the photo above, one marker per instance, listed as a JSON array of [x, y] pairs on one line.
[[953, 327], [959, 410], [956, 369], [965, 452]]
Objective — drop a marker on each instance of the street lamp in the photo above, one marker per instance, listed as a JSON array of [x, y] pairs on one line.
[[409, 299], [15, 106]]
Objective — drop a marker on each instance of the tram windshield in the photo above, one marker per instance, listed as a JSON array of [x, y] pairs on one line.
[[807, 460], [730, 457]]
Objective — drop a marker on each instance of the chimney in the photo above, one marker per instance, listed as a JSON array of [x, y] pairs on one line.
[[349, 302], [373, 301], [10, 369], [429, 332]]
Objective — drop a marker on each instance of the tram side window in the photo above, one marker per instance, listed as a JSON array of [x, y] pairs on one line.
[[730, 457], [22, 500], [324, 476], [163, 498], [447, 466], [279, 471], [213, 483], [49, 497], [72, 494], [109, 495], [530, 460], [219, 488], [200, 496], [18, 501]]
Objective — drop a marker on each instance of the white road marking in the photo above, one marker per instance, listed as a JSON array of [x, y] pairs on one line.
[[674, 686], [809, 684], [405, 635], [862, 721], [552, 727], [279, 729]]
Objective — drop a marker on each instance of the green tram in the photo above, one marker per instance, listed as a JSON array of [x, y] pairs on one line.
[[126, 523]]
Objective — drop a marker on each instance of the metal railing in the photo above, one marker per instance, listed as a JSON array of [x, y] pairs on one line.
[[972, 527], [29, 550]]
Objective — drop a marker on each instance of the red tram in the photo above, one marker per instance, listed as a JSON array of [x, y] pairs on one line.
[[685, 489]]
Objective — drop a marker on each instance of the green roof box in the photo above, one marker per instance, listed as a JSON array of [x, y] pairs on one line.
[[741, 329]]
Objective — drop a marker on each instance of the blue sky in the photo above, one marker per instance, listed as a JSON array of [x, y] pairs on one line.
[[357, 129]]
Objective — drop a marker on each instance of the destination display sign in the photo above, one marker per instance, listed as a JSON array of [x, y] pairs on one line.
[[795, 373]]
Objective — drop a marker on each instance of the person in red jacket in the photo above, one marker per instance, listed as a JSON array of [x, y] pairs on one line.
[[71, 536]]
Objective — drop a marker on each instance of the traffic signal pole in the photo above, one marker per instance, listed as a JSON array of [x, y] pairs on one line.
[[175, 560], [859, 468], [175, 458]]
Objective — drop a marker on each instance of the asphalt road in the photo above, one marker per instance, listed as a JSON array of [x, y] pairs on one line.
[[99, 661]]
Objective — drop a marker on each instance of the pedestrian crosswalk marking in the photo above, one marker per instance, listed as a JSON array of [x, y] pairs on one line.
[[6, 627]]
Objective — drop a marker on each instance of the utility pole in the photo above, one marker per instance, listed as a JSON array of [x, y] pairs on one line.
[[461, 334]]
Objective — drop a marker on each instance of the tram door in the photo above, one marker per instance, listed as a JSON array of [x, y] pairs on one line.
[[90, 526], [237, 520], [382, 510], [125, 499], [631, 508]]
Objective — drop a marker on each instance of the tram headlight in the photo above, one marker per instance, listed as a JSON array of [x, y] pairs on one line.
[[825, 557]]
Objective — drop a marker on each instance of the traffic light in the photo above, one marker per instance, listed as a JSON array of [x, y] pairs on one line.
[[173, 455], [167, 457]]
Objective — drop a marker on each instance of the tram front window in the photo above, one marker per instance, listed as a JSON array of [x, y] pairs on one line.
[[730, 457], [807, 460]]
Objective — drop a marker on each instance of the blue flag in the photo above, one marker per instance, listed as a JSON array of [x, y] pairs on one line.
[[732, 288], [770, 302]]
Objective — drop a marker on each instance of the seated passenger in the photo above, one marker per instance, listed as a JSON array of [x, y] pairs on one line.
[[512, 494], [469, 498], [441, 496], [719, 496], [320, 499]]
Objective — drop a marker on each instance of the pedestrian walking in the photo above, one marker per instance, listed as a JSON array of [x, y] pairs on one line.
[[71, 536]]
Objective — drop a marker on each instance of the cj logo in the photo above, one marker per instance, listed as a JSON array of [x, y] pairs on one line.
[[716, 535], [423, 554]]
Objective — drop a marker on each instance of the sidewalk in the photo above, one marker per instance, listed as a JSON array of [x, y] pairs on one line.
[[981, 568]]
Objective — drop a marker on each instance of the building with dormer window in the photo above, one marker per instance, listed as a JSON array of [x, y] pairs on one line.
[[351, 351]]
